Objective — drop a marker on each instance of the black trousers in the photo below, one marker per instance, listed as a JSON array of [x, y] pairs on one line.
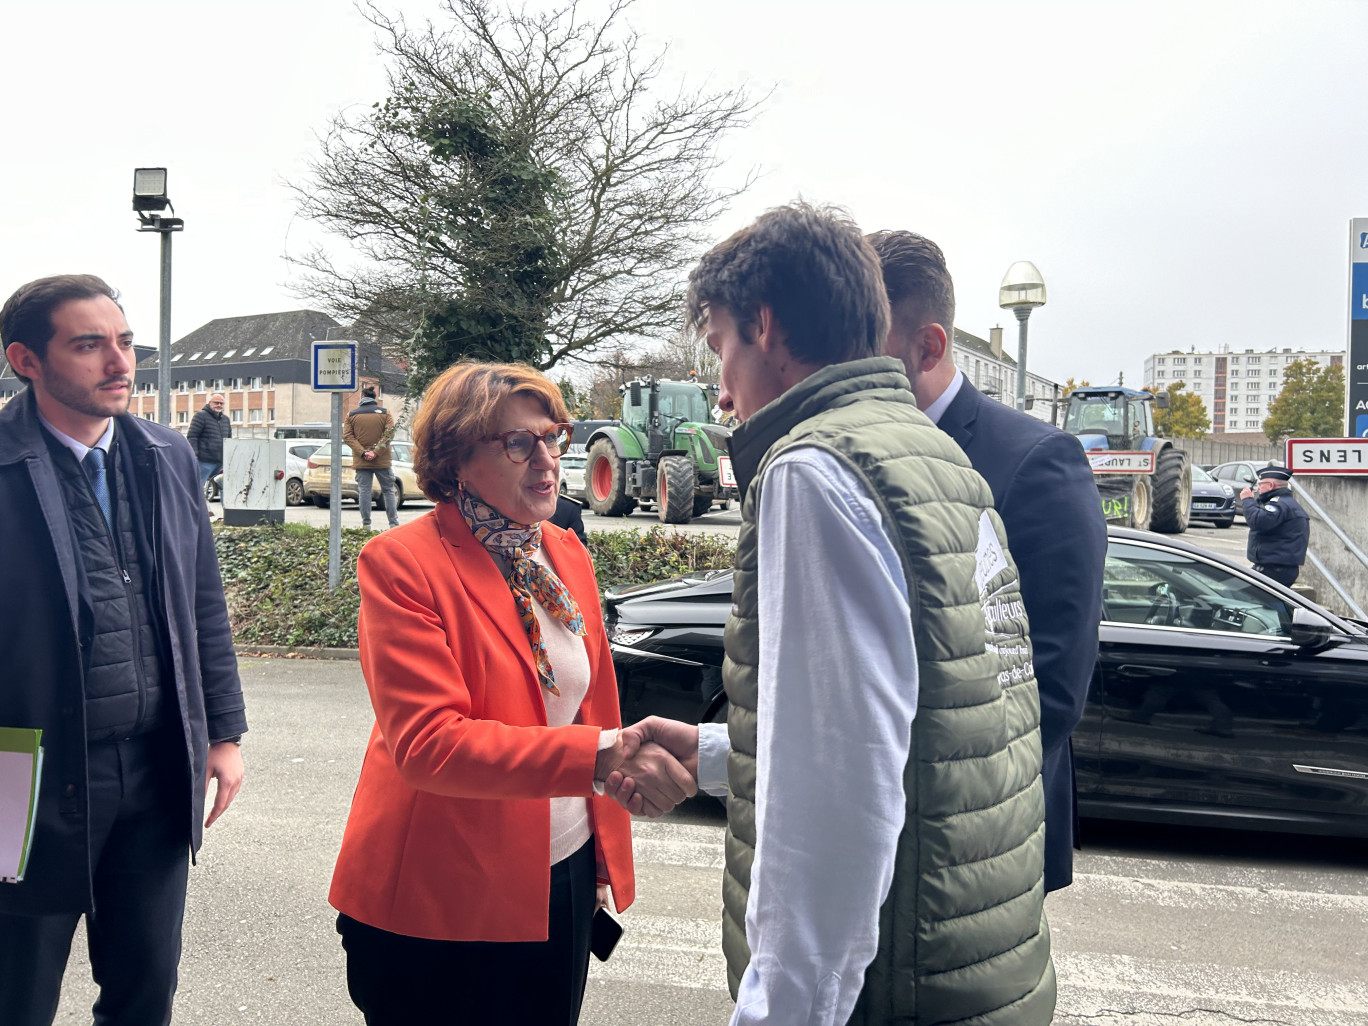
[[406, 981], [139, 848], [1284, 573]]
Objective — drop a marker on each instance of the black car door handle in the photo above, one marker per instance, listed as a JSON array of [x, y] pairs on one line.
[[1132, 670]]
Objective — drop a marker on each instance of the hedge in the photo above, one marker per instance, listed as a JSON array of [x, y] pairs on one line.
[[276, 577]]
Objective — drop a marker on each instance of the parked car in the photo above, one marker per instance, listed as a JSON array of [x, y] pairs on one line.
[[318, 478], [1211, 499], [296, 465], [1218, 696], [1240, 474], [572, 475]]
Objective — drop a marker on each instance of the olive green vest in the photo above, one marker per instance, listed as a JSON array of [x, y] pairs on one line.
[[962, 934]]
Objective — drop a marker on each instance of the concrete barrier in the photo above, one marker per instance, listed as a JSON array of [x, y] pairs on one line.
[[1343, 500]]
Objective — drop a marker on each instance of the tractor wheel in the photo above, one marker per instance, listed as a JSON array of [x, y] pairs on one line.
[[605, 481], [702, 503], [1142, 504], [1172, 492], [674, 490]]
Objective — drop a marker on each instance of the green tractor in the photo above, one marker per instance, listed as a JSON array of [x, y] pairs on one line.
[[1145, 481], [665, 450]]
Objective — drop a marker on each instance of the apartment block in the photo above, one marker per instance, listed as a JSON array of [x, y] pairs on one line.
[[1236, 386]]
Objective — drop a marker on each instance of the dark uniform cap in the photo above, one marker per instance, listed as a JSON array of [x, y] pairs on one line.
[[1277, 473]]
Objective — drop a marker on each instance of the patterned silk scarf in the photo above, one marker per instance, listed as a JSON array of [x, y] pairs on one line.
[[528, 579]]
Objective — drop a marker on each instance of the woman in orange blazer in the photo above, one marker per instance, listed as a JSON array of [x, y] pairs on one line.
[[467, 877]]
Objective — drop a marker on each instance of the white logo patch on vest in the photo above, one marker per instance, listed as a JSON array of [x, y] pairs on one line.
[[989, 558]]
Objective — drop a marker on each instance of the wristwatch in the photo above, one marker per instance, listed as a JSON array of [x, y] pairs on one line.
[[236, 739]]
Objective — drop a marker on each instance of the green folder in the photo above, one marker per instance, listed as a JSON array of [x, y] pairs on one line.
[[21, 767]]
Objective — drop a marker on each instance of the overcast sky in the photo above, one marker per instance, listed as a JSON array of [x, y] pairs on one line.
[[1181, 173]]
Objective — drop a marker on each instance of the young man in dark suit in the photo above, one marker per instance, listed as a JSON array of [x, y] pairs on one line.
[[117, 647], [1043, 490]]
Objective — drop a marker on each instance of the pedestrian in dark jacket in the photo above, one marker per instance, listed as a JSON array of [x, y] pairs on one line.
[[1043, 489], [118, 648], [208, 428], [1279, 528]]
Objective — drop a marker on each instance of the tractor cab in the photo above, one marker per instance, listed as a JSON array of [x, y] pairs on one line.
[[1111, 418]]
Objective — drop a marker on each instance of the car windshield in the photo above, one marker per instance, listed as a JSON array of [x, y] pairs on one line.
[[1159, 587], [1198, 474]]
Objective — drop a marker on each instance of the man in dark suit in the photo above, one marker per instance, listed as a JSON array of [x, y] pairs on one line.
[[117, 646], [1043, 490], [570, 515]]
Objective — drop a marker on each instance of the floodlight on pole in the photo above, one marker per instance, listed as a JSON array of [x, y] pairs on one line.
[[1021, 291], [149, 194]]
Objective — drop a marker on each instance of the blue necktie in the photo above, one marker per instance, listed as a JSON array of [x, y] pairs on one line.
[[94, 466]]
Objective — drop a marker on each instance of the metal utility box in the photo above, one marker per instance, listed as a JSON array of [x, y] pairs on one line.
[[253, 481]]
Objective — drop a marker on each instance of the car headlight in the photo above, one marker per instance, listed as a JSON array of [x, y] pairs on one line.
[[629, 637], [1228, 490]]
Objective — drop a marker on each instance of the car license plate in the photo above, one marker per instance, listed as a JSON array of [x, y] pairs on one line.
[[1205, 504], [725, 472]]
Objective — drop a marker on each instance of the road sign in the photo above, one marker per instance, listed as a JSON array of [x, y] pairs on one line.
[[1347, 456], [1356, 367], [334, 367], [1116, 461]]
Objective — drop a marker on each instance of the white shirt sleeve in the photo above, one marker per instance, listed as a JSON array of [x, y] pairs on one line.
[[837, 695]]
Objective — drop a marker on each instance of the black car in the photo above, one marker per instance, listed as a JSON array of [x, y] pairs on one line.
[[1219, 696], [1211, 499]]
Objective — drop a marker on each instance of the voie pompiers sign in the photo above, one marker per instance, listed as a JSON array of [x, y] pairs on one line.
[[1356, 368]]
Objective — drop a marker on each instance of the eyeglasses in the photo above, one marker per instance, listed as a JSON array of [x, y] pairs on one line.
[[520, 443]]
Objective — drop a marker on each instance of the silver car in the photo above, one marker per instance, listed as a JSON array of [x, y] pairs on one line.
[[572, 475]]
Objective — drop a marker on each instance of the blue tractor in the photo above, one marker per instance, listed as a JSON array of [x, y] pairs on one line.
[[1144, 481]]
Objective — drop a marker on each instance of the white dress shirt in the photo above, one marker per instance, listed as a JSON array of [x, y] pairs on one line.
[[837, 695], [80, 449], [937, 409]]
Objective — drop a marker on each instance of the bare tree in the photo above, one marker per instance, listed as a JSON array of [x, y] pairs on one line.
[[528, 188]]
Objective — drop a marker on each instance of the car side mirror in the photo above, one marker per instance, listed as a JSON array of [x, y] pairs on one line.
[[1309, 630], [635, 392]]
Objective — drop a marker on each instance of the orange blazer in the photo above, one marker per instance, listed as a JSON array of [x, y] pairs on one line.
[[449, 834]]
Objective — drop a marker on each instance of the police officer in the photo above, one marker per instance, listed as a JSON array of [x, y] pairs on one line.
[[1278, 527]]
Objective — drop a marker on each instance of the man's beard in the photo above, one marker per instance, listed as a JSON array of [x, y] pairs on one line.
[[83, 401]]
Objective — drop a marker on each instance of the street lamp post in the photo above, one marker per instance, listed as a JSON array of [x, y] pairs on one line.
[[149, 195], [1021, 291]]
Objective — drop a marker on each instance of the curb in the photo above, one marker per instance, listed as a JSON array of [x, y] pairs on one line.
[[303, 652]]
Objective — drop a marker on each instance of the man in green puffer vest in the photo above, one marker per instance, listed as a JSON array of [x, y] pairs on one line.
[[885, 819]]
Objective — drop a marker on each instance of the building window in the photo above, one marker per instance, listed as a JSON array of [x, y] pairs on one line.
[[210, 356], [1234, 359], [182, 417], [237, 416], [1161, 373], [1251, 411], [195, 356], [1337, 361], [270, 381], [1288, 359], [1220, 406], [1251, 423], [1254, 359], [1179, 359], [218, 384], [1272, 372], [177, 357], [1197, 373], [182, 386], [254, 416], [249, 352], [256, 382], [1160, 361], [266, 350], [229, 354], [1234, 374], [270, 413]]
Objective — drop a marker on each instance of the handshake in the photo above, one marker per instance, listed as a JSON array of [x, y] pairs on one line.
[[651, 767]]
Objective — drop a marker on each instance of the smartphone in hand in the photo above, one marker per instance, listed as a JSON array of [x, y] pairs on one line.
[[607, 931]]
